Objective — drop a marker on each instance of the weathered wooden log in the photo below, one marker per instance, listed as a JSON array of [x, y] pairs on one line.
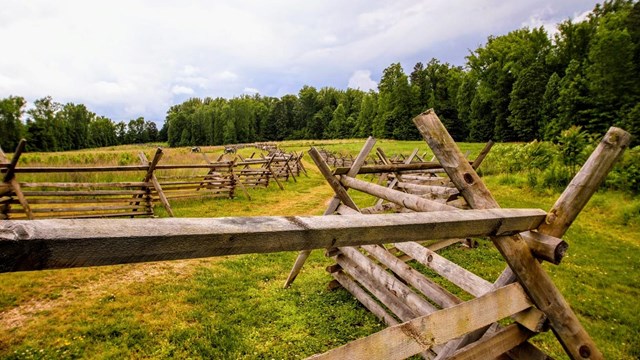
[[483, 154], [334, 205], [495, 344], [151, 176], [545, 247], [372, 169], [412, 202], [364, 298], [417, 303], [412, 337], [11, 179], [459, 276], [26, 245], [534, 279], [84, 193], [430, 289], [427, 189], [586, 182], [386, 296], [84, 185]]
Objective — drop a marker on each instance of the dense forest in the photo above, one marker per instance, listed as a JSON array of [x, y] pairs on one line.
[[521, 86]]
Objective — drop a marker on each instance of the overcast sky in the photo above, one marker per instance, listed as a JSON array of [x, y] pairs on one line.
[[125, 59]]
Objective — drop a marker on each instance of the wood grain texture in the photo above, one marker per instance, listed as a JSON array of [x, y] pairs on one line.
[[31, 245], [530, 274], [420, 334]]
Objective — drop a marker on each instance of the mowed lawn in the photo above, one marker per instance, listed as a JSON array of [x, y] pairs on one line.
[[235, 307]]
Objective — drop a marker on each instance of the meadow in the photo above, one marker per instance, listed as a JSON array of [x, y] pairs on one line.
[[235, 307]]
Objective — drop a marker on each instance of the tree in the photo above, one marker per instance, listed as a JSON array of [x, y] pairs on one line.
[[394, 106], [338, 127], [550, 125], [11, 129], [525, 99], [44, 131]]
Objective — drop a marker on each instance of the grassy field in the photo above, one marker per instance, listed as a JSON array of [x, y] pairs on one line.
[[235, 307]]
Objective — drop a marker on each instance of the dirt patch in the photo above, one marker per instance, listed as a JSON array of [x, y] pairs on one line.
[[138, 273]]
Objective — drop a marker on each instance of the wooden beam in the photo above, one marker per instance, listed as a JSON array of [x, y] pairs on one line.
[[10, 177], [534, 279], [413, 202], [372, 169], [337, 187], [382, 293], [418, 304], [151, 176], [495, 344], [586, 182], [10, 170], [459, 276], [364, 298], [32, 245], [420, 334], [483, 154], [334, 203], [430, 289]]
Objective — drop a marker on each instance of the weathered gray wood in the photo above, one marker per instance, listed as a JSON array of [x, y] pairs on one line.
[[545, 247], [84, 193], [334, 204], [586, 182], [494, 345], [431, 290], [386, 296], [427, 189], [534, 279], [372, 169], [461, 277], [337, 187], [10, 169], [85, 185], [483, 154], [409, 201], [11, 179], [382, 278], [151, 176], [396, 176], [63, 243], [83, 209], [364, 298], [412, 337]]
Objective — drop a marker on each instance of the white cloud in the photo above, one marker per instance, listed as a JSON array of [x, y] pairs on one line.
[[153, 54], [361, 79], [250, 90], [182, 90]]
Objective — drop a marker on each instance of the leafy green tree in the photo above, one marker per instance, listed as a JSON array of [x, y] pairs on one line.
[[44, 131], [366, 115], [77, 119], [526, 96], [338, 127], [136, 132], [394, 106], [11, 129], [102, 132], [550, 126]]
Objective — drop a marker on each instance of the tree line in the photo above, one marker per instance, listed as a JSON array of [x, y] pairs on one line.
[[521, 86], [51, 126]]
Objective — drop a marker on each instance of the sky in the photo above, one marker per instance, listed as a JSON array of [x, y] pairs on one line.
[[125, 59]]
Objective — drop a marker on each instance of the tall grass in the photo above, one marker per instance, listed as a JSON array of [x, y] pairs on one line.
[[234, 307]]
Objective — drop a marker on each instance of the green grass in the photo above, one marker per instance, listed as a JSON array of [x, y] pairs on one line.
[[234, 307]]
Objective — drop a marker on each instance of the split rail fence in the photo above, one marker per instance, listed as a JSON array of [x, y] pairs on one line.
[[423, 317], [82, 196]]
